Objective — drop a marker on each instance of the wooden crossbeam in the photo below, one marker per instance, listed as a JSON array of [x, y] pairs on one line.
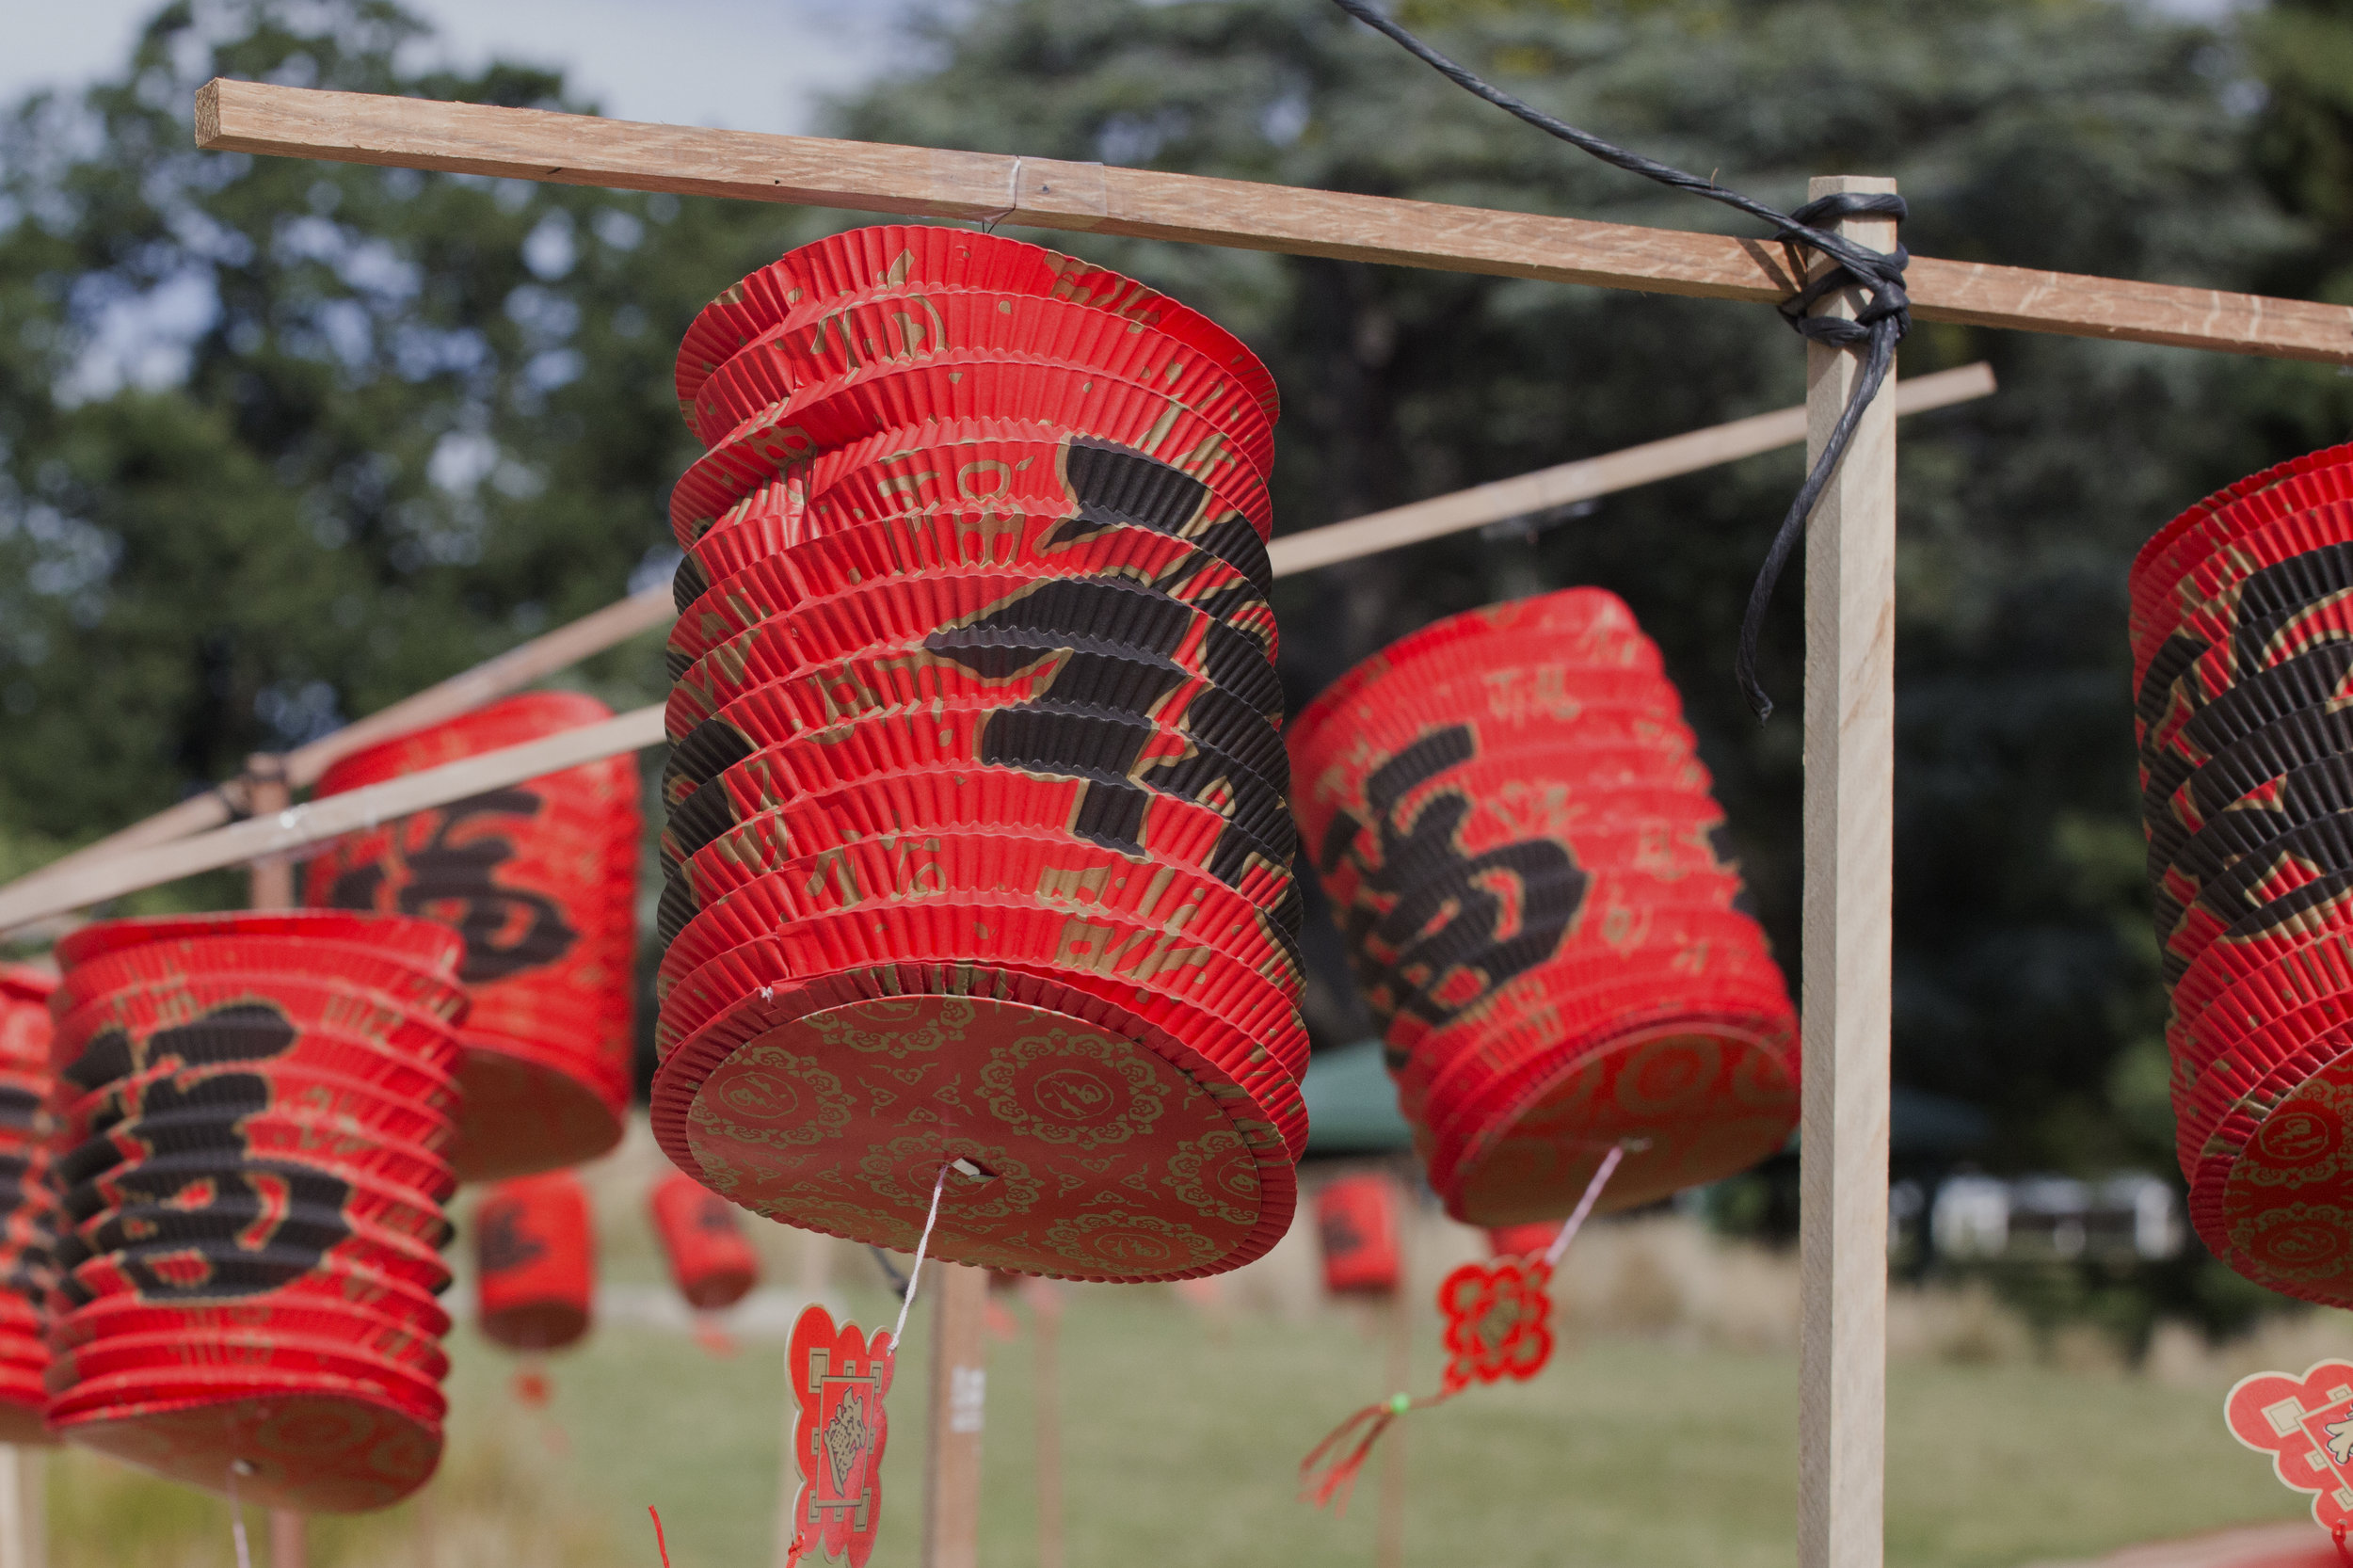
[[1048, 193]]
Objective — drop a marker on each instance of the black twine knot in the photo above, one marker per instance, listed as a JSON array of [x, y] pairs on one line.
[[1876, 329]]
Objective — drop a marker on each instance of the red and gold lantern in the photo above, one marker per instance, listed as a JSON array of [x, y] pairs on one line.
[[1531, 879], [27, 1200], [1357, 1224], [2242, 659], [255, 1112], [709, 1256], [974, 770], [540, 879], [535, 1261]]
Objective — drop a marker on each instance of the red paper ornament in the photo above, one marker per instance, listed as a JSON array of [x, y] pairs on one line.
[[535, 1261], [2305, 1425], [1498, 1321], [1357, 1221], [709, 1259], [839, 1379]]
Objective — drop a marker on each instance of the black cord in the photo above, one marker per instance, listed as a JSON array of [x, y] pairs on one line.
[[1876, 329], [898, 1282]]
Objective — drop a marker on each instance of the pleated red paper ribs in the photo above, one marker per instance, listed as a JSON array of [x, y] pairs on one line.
[[2242, 647], [254, 1115], [1525, 862], [977, 854], [540, 879], [27, 1200]]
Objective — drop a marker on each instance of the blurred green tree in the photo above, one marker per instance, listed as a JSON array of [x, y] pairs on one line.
[[396, 422]]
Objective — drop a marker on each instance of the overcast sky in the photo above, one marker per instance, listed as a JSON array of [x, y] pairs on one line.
[[749, 65]]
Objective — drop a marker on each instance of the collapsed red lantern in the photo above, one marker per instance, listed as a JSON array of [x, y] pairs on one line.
[[254, 1113], [1357, 1221], [709, 1257], [27, 1204], [1519, 847], [535, 1261], [540, 879], [973, 755]]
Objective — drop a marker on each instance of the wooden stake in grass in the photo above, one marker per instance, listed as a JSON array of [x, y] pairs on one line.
[[952, 1462], [271, 885], [23, 1533], [1045, 1298]]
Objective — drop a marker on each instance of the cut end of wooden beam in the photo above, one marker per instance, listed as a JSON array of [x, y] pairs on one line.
[[208, 114]]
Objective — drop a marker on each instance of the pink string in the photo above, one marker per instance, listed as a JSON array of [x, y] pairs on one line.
[[1576, 1221], [236, 1519], [2344, 1555], [659, 1544], [940, 1185]]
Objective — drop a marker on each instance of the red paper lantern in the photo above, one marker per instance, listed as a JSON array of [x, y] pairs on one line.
[[535, 1261], [2242, 653], [541, 878], [1521, 853], [974, 777], [27, 1204], [1357, 1221], [253, 1110], [709, 1257]]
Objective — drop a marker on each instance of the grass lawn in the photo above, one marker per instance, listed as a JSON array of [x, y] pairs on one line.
[[1181, 1447]]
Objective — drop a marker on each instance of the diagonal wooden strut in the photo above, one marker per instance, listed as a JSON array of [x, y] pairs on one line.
[[134, 858], [1050, 193]]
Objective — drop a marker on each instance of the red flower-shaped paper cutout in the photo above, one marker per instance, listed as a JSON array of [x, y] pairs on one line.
[[1498, 1321], [2305, 1425], [839, 1379]]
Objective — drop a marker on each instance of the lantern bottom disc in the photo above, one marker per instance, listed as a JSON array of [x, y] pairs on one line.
[[523, 1114], [316, 1453], [1085, 1153], [1689, 1108]]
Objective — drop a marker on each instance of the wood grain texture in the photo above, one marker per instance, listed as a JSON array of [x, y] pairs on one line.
[[1849, 857], [270, 883], [1588, 477], [951, 1460], [300, 828], [915, 182]]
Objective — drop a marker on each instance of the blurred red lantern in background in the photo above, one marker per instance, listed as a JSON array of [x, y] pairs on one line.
[[535, 1261], [710, 1258], [1357, 1220]]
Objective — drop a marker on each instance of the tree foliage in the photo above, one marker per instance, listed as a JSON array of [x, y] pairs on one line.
[[411, 418]]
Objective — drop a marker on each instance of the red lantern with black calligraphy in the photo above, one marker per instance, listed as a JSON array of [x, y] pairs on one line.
[[540, 879], [1356, 1221], [254, 1116], [28, 1200], [2242, 659], [1535, 891], [709, 1256], [974, 772], [535, 1261]]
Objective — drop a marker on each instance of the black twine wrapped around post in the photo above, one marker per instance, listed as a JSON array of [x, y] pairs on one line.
[[1876, 329]]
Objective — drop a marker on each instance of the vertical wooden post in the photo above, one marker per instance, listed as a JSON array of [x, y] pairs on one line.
[[1389, 1524], [272, 887], [272, 882], [1849, 847], [23, 1535], [952, 1481], [1045, 1326]]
